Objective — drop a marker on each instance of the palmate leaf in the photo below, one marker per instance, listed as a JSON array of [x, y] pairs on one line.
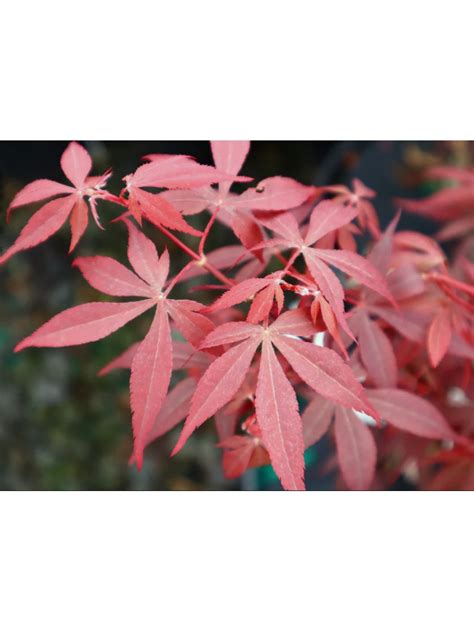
[[76, 164], [276, 408], [152, 360]]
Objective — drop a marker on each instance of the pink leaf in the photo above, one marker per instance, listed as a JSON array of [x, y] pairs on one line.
[[149, 379], [239, 293], [326, 217], [160, 212], [38, 191], [356, 450], [218, 385], [274, 194], [279, 420], [405, 281], [229, 156], [329, 285], [357, 267], [324, 371], [316, 419], [41, 225], [190, 202], [247, 230], [184, 173], [111, 277], [229, 333], [194, 327], [79, 221], [238, 451], [381, 253], [143, 257], [76, 164], [286, 226], [439, 337], [377, 352], [406, 323], [261, 305], [410, 413], [446, 204], [84, 323], [294, 322], [416, 241]]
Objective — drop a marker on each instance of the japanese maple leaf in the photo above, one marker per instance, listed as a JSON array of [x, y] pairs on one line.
[[229, 157], [275, 399], [76, 164], [355, 444], [174, 172], [152, 359], [327, 217], [359, 198], [272, 194], [427, 313]]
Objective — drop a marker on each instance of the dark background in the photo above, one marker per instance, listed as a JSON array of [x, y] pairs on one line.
[[63, 428]]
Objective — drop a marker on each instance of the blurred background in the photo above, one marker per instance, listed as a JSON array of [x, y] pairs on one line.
[[62, 427]]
